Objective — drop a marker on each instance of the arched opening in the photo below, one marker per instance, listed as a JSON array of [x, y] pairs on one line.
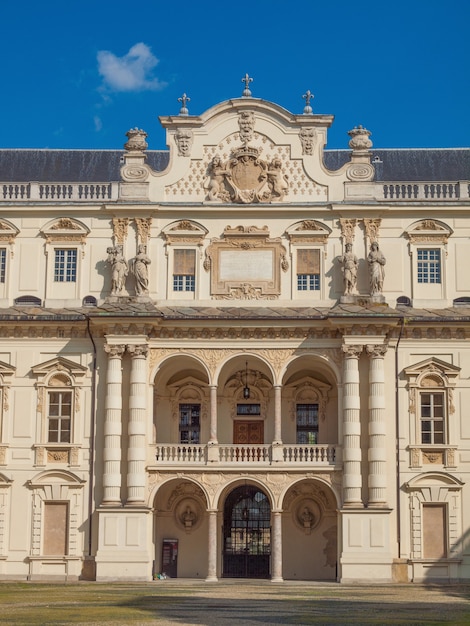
[[247, 533]]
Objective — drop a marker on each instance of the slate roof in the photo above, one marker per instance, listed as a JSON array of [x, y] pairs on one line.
[[93, 166]]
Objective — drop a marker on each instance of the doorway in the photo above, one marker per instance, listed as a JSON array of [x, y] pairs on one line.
[[248, 432], [247, 534]]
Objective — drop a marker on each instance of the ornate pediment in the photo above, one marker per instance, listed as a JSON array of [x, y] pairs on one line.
[[8, 232], [308, 231], [432, 369], [65, 230], [429, 231], [57, 365], [184, 231], [246, 178]]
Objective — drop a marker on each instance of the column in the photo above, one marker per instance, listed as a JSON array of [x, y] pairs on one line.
[[377, 454], [352, 479], [212, 548], [112, 426], [276, 542], [136, 452], [213, 422], [277, 414]]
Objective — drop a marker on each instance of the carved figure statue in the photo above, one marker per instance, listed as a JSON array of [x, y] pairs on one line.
[[376, 262], [188, 517], [349, 262], [246, 122], [216, 183], [307, 517], [277, 181], [307, 139], [119, 269], [140, 269], [184, 141]]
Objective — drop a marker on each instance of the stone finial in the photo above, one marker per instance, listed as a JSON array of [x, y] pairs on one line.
[[308, 95], [184, 100], [246, 92], [136, 140], [360, 138]]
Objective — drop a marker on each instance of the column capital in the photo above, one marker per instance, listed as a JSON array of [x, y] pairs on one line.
[[114, 350], [352, 351], [139, 349], [376, 350]]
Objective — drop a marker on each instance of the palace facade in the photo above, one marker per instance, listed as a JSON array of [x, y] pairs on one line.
[[247, 356]]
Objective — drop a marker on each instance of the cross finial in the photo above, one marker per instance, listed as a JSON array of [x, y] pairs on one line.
[[308, 95], [246, 92], [184, 109]]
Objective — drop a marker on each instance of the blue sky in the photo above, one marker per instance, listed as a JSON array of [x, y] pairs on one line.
[[79, 74]]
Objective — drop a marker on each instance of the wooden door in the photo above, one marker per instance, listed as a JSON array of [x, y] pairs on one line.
[[248, 432]]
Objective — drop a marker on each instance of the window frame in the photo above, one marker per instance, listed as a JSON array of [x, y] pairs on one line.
[[60, 418], [190, 428], [309, 429], [65, 270]]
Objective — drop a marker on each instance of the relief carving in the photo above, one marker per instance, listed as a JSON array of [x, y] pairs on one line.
[[184, 141], [120, 227], [307, 139], [136, 140], [246, 123], [246, 178]]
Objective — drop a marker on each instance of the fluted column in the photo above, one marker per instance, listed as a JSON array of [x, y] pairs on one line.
[[212, 548], [136, 452], [352, 479], [377, 454], [213, 409], [112, 426], [277, 414], [276, 541]]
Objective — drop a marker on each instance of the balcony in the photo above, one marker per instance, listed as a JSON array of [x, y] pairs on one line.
[[234, 455]]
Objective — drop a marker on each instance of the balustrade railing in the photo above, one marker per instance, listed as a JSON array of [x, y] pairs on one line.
[[235, 454], [422, 191], [78, 192]]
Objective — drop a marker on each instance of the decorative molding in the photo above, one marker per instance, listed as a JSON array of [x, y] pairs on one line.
[[372, 227], [120, 229], [429, 231], [308, 138], [348, 227]]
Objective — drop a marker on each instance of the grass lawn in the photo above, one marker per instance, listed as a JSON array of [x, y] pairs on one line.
[[231, 603]]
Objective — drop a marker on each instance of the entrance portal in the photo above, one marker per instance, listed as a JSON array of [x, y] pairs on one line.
[[247, 534]]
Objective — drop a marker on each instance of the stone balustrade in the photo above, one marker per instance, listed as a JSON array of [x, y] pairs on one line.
[[59, 192], [235, 454]]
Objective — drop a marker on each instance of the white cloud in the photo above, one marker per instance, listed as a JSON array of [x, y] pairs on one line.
[[132, 72], [98, 123]]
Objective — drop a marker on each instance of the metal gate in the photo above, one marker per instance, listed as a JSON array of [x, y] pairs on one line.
[[247, 534]]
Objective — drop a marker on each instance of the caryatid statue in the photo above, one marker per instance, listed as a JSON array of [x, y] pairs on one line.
[[376, 262], [349, 262]]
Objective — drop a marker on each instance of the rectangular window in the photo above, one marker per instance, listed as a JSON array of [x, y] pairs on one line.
[[3, 264], [190, 423], [55, 528], [65, 266], [308, 270], [434, 531], [429, 265], [60, 414], [184, 270], [432, 418], [248, 409], [307, 423]]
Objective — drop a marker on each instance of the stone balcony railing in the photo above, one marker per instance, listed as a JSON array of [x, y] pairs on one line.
[[408, 191], [59, 192], [224, 455]]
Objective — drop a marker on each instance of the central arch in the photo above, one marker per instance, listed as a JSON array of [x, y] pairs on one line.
[[247, 533]]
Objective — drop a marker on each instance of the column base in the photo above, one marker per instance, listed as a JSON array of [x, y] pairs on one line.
[[277, 579], [211, 579]]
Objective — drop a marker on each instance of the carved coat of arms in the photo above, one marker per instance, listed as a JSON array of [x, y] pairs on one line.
[[246, 178]]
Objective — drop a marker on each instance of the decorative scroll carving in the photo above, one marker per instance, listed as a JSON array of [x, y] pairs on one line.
[[143, 228], [347, 229], [137, 350], [7, 232], [114, 350], [65, 223], [429, 231], [372, 227], [352, 351], [57, 456], [120, 227], [376, 350], [360, 171]]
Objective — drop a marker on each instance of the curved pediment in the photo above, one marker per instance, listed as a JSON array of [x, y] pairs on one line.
[[241, 151]]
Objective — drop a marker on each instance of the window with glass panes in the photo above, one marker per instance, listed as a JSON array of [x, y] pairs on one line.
[[3, 264], [59, 418], [432, 418], [184, 270], [65, 265], [308, 270], [429, 265], [307, 423], [190, 415]]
